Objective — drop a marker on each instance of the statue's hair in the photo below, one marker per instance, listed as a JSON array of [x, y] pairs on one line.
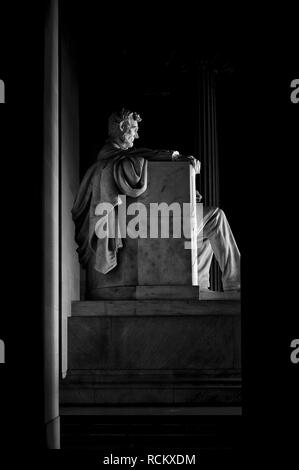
[[121, 117]]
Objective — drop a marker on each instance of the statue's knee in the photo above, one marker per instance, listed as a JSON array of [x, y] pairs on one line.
[[219, 212]]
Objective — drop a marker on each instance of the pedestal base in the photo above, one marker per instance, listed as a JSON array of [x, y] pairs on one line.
[[171, 292], [146, 352]]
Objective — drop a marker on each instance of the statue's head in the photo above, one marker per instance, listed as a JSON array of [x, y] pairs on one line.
[[123, 127]]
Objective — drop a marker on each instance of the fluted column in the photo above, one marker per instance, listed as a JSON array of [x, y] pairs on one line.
[[207, 147]]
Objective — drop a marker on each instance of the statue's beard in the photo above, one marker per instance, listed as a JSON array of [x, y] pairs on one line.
[[126, 141]]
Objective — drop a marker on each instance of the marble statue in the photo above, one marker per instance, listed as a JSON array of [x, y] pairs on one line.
[[122, 168]]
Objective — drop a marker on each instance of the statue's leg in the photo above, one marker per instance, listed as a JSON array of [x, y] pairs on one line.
[[217, 230], [204, 259]]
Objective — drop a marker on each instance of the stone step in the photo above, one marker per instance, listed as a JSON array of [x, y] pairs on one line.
[[221, 305], [141, 433]]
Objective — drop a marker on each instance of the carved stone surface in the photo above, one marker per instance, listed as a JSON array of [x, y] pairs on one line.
[[154, 261], [170, 342], [134, 394], [154, 352]]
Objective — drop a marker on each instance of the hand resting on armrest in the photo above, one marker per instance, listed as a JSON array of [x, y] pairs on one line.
[[177, 157]]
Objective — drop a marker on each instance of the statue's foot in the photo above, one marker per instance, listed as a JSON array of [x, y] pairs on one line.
[[235, 288], [232, 294]]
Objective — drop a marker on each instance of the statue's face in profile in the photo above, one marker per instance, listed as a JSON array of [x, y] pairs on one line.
[[131, 134], [123, 128]]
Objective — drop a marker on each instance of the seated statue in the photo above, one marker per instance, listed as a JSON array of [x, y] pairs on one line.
[[121, 168]]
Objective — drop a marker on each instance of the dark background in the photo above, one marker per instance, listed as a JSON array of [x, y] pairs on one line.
[[155, 71], [258, 145]]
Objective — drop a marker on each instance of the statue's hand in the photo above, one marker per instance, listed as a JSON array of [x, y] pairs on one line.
[[195, 163], [176, 156]]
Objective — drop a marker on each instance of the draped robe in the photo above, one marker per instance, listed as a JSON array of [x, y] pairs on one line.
[[115, 172]]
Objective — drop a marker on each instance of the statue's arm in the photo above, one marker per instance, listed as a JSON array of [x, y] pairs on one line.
[[154, 155], [165, 155]]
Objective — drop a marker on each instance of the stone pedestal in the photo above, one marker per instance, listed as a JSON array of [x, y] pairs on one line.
[[172, 353], [152, 266]]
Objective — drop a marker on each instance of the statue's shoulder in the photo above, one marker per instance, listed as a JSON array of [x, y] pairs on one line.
[[107, 151]]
